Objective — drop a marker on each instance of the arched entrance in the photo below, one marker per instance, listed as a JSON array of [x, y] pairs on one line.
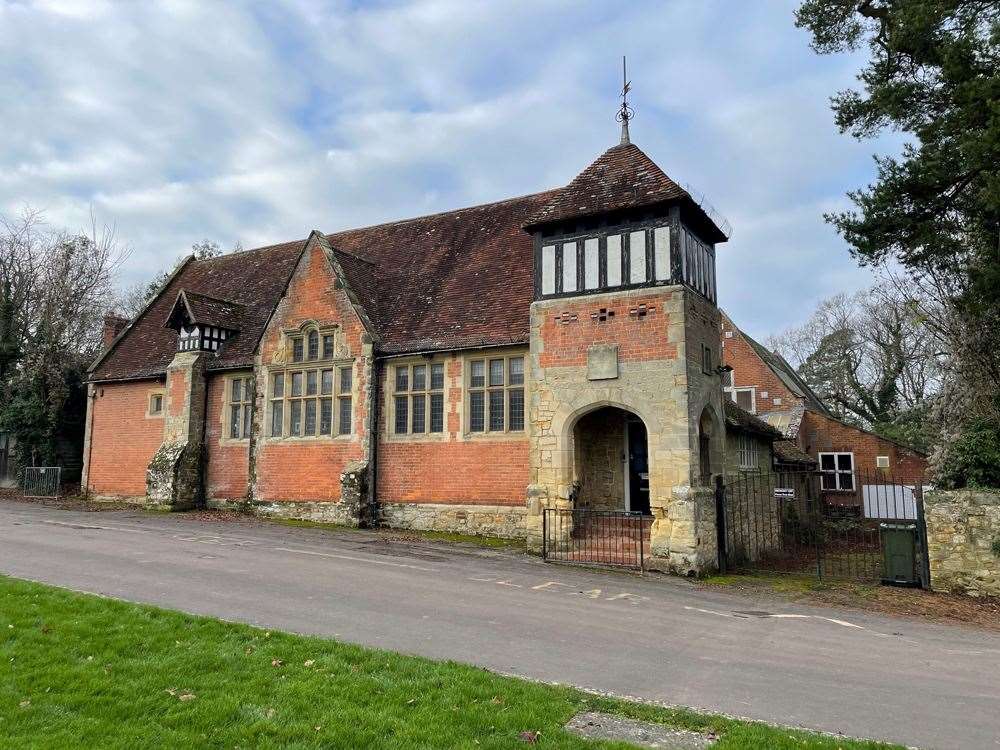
[[611, 461]]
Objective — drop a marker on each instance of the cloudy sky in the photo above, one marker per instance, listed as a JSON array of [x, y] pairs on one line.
[[256, 122]]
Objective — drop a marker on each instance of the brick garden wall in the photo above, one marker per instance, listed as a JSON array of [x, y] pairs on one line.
[[123, 438]]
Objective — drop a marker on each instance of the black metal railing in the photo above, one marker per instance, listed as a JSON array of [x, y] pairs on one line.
[[595, 537], [813, 523]]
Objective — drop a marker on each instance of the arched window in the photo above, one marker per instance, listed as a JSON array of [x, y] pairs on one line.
[[313, 344]]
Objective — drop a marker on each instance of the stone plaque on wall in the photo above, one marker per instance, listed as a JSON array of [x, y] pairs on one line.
[[602, 362]]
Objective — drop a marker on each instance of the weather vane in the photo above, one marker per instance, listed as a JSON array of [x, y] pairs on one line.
[[625, 112]]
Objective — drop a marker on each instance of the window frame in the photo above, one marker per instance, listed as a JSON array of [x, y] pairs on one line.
[[747, 449], [246, 418], [836, 471], [300, 339], [160, 393], [412, 395], [707, 360], [336, 396], [488, 387], [734, 389]]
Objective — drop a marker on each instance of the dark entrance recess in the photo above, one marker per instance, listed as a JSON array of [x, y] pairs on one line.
[[638, 466]]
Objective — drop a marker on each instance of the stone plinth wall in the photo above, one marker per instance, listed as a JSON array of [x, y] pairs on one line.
[[963, 531], [504, 521]]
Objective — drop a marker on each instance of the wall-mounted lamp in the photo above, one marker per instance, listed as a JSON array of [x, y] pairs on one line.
[[722, 369]]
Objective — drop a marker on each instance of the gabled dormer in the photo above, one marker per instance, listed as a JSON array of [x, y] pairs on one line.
[[622, 223], [204, 323]]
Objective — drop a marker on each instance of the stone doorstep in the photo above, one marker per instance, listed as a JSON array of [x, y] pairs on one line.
[[594, 725]]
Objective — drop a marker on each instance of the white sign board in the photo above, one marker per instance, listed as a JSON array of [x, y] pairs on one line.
[[889, 501]]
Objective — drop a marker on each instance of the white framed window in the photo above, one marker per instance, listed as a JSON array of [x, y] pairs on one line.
[[495, 388], [837, 471], [418, 398], [312, 402], [747, 452], [239, 407]]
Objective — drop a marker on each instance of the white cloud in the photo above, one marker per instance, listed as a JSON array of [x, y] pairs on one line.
[[257, 123]]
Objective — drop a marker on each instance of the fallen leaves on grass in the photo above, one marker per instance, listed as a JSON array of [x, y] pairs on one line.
[[529, 736]]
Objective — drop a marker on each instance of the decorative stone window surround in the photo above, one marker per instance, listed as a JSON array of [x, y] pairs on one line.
[[328, 353], [227, 403], [160, 393], [467, 389], [390, 393]]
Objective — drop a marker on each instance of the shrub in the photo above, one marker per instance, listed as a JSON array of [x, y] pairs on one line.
[[972, 459]]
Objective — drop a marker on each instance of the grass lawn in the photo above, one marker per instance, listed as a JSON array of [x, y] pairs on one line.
[[82, 671]]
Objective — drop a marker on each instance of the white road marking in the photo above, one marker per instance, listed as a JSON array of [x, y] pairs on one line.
[[778, 616], [709, 611], [355, 559]]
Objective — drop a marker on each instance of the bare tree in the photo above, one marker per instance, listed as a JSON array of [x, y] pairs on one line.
[[56, 286], [870, 356]]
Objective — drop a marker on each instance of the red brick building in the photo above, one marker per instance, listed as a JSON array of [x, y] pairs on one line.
[[469, 370], [764, 383]]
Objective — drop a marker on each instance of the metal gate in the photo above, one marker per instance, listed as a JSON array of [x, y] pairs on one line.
[[804, 523], [42, 481], [595, 537]]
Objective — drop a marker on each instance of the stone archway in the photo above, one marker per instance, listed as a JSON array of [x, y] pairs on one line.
[[611, 461]]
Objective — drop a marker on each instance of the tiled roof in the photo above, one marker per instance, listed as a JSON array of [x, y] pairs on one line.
[[451, 280], [622, 177], [458, 279], [211, 311], [743, 421], [787, 452], [255, 279]]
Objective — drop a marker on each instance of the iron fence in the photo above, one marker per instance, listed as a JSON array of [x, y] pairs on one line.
[[42, 481], [596, 537], [808, 523]]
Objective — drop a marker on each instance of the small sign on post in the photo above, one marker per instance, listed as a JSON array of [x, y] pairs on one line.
[[784, 493]]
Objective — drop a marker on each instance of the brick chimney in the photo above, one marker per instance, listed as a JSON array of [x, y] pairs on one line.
[[113, 325]]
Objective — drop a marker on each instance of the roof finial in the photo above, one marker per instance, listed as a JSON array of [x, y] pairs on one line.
[[625, 112]]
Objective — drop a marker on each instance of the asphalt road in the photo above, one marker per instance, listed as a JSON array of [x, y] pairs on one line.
[[657, 638]]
